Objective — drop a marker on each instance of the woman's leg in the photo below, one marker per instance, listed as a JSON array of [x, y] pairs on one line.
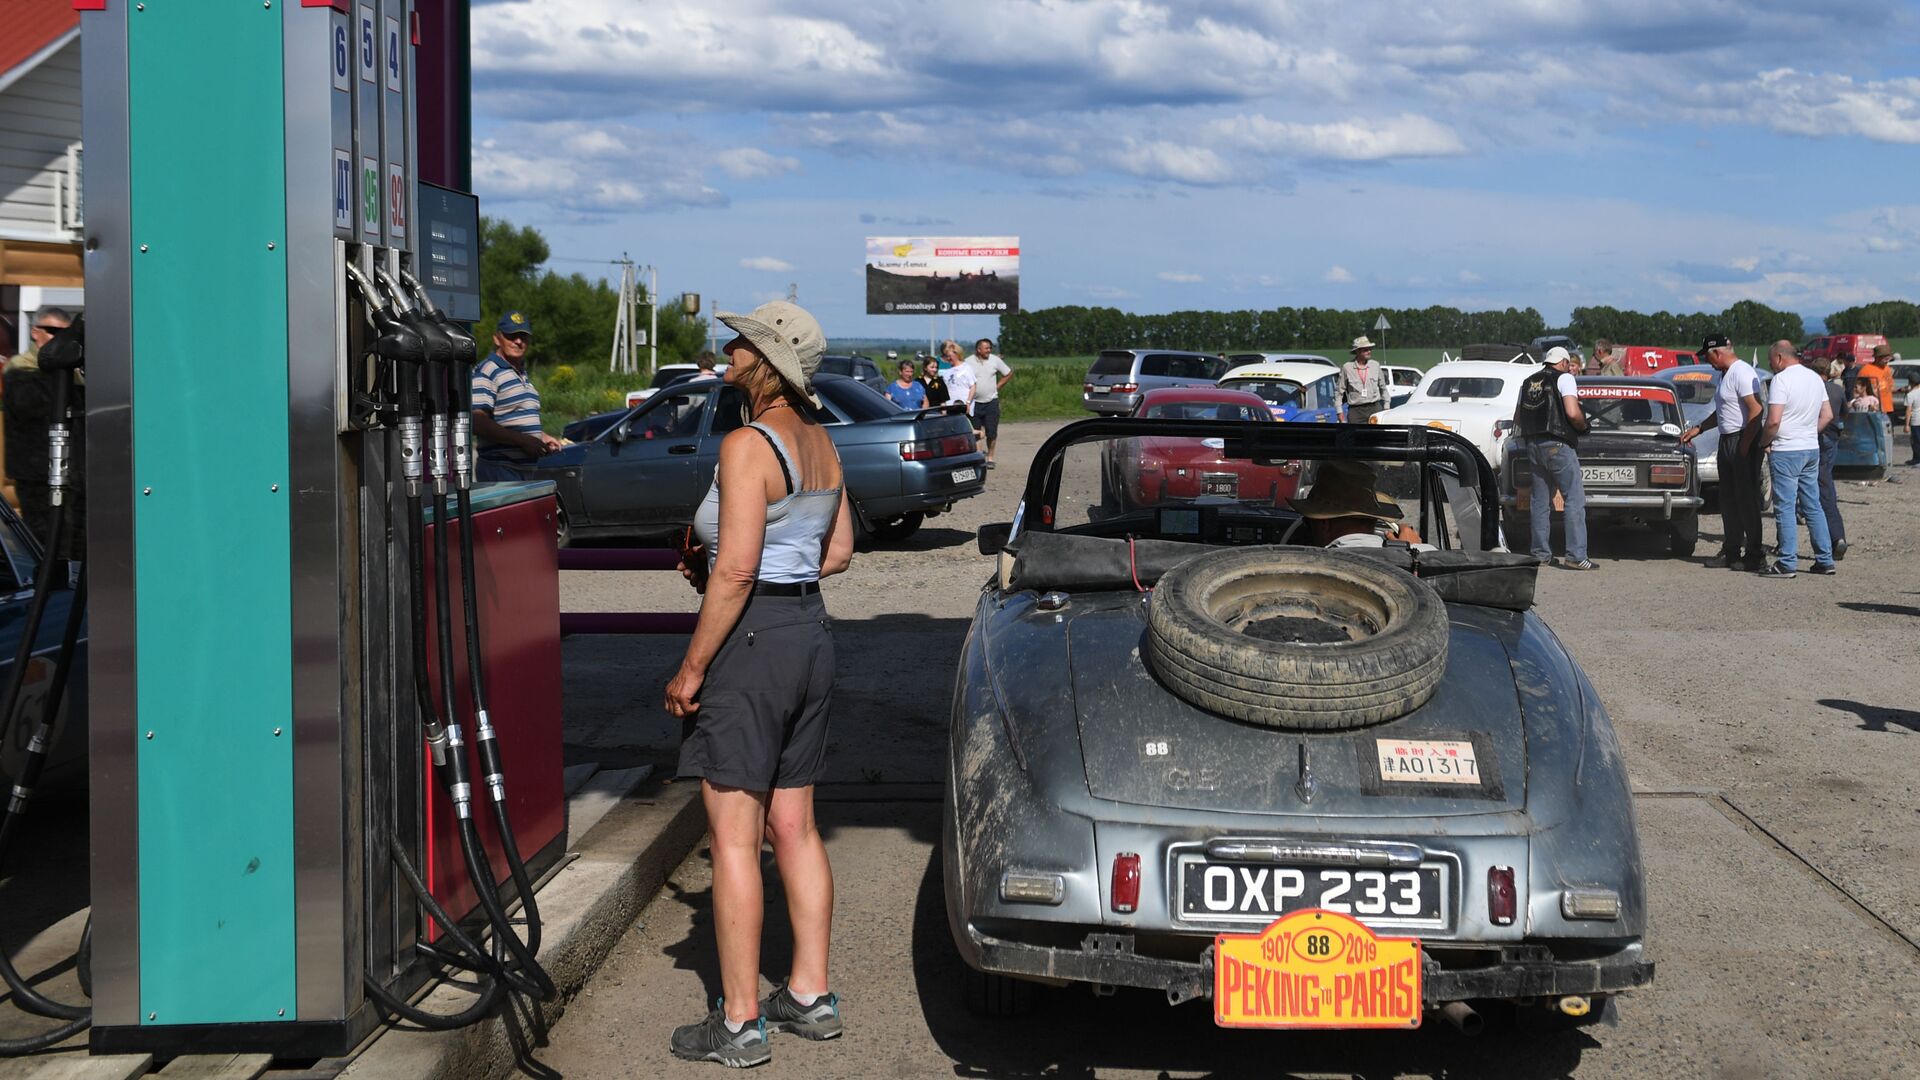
[[808, 879], [737, 818]]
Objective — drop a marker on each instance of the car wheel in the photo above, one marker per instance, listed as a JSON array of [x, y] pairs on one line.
[[989, 994], [562, 525], [1297, 638], [894, 530], [1683, 535]]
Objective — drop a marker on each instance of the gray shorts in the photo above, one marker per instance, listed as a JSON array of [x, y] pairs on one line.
[[986, 417], [764, 708]]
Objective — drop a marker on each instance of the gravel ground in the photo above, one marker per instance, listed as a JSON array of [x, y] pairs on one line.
[[1770, 727]]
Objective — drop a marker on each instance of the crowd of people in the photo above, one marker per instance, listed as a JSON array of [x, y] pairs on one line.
[[927, 381], [1794, 435]]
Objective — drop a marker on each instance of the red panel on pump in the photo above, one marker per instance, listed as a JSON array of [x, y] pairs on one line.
[[518, 589]]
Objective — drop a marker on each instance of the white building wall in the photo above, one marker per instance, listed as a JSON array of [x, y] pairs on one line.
[[39, 123]]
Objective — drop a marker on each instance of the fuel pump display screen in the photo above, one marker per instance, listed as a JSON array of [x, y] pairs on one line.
[[449, 235]]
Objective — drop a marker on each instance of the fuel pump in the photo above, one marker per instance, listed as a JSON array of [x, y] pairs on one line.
[[61, 357], [421, 351]]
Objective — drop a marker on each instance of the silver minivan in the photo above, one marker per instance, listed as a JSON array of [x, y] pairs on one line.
[[1119, 376]]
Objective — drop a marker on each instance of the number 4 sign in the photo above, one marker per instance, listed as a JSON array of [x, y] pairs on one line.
[[393, 54], [396, 202]]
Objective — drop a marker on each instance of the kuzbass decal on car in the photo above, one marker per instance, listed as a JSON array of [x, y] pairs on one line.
[[1316, 969]]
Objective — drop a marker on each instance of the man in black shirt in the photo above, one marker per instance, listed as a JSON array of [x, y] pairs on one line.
[[1548, 416]]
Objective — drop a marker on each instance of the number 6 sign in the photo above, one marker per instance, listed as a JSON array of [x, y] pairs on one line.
[[342, 56]]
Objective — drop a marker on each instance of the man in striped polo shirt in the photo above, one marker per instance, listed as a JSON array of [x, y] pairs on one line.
[[506, 407]]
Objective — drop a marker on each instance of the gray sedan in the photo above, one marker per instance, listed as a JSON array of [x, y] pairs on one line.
[[1343, 787], [645, 474]]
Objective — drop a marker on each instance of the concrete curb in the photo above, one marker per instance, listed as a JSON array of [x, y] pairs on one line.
[[587, 906]]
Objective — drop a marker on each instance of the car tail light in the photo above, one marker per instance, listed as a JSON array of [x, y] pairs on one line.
[[1669, 475], [1501, 899], [928, 449], [1126, 883], [1125, 387], [1086, 388], [1290, 467], [1501, 429]]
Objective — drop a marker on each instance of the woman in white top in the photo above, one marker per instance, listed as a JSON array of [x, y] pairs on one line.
[[755, 687]]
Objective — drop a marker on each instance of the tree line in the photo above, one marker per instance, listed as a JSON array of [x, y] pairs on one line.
[[572, 315], [1894, 318], [1078, 331]]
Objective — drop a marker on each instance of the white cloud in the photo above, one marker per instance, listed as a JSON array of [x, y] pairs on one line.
[[1181, 277], [1158, 160], [767, 263], [1338, 275], [1403, 136], [752, 163]]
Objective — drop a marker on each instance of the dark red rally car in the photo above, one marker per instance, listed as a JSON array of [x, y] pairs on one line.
[[1147, 470]]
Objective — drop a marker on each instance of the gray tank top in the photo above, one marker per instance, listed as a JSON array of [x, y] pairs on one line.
[[796, 525]]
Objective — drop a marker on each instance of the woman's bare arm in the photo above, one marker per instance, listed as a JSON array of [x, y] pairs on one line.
[[746, 466]]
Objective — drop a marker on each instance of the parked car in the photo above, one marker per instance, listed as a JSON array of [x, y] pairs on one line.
[[1248, 358], [1307, 770], [1151, 470], [1694, 386], [1301, 392], [1119, 376], [1472, 397], [1539, 346], [67, 755], [663, 376], [645, 474], [1638, 360], [1906, 376], [862, 368], [1850, 349], [1632, 465], [1400, 384]]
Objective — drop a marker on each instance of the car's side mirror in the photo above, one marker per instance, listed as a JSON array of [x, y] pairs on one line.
[[620, 431], [994, 536]]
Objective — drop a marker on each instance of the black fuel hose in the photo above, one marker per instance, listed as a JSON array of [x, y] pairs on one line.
[[484, 740], [480, 869]]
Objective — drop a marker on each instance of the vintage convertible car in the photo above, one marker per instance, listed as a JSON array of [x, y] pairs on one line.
[[1151, 471], [1344, 788], [1632, 465]]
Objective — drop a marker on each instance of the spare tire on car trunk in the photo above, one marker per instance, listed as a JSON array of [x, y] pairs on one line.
[[1301, 638]]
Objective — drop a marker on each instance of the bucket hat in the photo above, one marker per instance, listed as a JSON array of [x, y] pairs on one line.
[[788, 336], [1361, 342], [1345, 489], [1882, 351]]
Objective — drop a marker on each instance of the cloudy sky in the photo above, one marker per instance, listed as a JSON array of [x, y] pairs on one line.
[[1678, 154]]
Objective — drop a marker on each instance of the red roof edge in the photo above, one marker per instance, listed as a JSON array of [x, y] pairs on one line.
[[27, 27]]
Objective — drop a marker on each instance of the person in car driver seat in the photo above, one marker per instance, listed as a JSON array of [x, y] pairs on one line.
[[1345, 509]]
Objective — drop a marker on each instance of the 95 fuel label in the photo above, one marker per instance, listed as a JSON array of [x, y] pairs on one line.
[[370, 200]]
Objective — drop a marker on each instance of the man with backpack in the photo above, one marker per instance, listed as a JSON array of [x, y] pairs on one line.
[[1548, 416]]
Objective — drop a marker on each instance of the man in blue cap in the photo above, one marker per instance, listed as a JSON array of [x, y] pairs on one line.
[[506, 407]]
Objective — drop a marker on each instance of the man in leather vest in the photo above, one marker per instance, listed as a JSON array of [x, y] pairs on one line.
[[1550, 419]]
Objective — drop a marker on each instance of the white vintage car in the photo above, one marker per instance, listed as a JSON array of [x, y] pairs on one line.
[[1474, 398]]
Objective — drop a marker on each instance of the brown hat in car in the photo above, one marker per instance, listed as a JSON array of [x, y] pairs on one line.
[[1346, 489]]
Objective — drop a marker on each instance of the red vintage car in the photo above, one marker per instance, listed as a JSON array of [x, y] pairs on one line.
[[1148, 471]]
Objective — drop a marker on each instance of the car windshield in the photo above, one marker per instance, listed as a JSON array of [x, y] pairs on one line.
[[1464, 386], [1221, 482], [1205, 410], [1276, 391], [670, 414], [856, 399], [1628, 408], [670, 373]]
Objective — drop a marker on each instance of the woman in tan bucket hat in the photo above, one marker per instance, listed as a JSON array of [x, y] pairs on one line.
[[755, 688]]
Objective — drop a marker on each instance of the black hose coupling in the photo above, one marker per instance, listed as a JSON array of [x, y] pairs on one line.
[[437, 740]]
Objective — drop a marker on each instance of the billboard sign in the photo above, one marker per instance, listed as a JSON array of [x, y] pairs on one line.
[[943, 275]]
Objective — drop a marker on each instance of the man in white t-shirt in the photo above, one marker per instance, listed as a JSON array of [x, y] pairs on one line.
[[1736, 412], [1797, 410], [990, 373]]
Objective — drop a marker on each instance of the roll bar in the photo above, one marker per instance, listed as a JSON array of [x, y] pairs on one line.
[[1258, 440]]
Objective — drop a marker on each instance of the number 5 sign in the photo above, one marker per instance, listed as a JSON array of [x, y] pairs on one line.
[[369, 64], [396, 202]]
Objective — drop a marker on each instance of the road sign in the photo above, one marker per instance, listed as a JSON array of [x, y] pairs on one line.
[[1381, 323]]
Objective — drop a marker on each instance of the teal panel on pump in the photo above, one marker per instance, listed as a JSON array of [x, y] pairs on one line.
[[211, 534]]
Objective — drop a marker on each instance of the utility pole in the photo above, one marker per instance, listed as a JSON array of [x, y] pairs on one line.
[[653, 319], [620, 359]]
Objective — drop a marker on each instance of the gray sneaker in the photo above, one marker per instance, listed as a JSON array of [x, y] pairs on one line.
[[818, 1021], [710, 1040]]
